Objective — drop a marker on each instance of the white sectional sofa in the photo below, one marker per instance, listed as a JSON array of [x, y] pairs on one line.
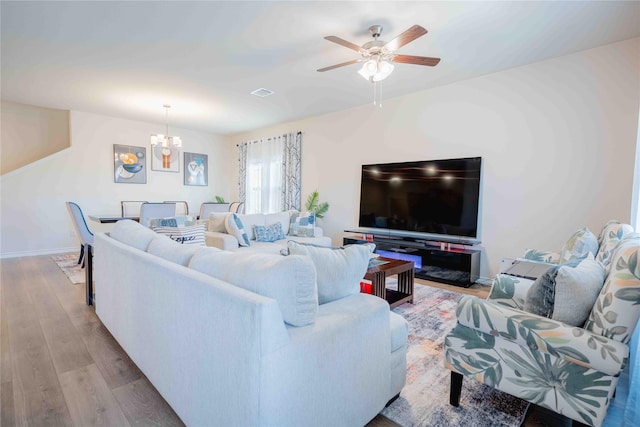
[[217, 236], [215, 332]]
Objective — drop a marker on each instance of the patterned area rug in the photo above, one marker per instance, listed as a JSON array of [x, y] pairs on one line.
[[424, 400], [69, 264]]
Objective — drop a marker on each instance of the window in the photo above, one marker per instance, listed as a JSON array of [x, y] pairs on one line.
[[270, 174]]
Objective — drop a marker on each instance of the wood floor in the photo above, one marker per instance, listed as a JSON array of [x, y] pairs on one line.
[[59, 364]]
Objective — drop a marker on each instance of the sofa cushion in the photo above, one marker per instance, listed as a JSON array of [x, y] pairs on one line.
[[611, 234], [133, 234], [339, 269], [249, 220], [217, 221], [236, 228], [167, 248], [579, 245], [291, 281], [303, 224], [193, 235], [567, 292], [268, 233]]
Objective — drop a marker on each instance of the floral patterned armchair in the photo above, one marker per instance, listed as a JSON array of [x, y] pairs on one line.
[[570, 370]]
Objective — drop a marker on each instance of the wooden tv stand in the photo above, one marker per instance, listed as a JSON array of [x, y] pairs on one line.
[[454, 266]]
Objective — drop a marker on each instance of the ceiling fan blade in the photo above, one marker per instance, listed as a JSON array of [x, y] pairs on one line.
[[344, 43], [355, 61], [408, 36], [417, 60]]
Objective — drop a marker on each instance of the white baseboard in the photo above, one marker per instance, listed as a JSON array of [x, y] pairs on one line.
[[37, 253]]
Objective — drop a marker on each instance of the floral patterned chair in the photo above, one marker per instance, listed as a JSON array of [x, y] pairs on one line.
[[570, 370]]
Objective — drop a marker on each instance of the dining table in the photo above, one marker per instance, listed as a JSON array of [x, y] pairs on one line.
[[111, 218]]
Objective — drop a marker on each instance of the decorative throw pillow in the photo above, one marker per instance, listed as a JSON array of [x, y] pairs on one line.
[[192, 235], [167, 248], [339, 270], [567, 292], [235, 228], [579, 245], [269, 233], [291, 281], [174, 221], [217, 221], [303, 224]]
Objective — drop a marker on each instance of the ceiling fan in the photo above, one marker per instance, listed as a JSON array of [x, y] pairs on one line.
[[377, 55]]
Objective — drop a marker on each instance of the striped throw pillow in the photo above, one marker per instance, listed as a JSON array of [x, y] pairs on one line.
[[236, 228], [193, 235]]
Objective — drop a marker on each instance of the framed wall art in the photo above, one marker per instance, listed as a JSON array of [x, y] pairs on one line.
[[165, 159], [196, 169], [129, 164]]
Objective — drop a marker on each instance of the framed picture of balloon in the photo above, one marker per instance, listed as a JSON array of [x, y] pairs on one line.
[[196, 169], [129, 164]]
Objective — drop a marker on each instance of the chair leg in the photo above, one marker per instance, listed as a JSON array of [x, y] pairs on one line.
[[456, 388], [81, 254]]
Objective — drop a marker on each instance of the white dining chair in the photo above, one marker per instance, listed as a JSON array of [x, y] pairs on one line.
[[182, 207], [82, 230], [156, 210], [208, 207], [131, 208], [236, 207]]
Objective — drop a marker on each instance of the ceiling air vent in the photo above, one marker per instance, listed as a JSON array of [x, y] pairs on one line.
[[262, 92]]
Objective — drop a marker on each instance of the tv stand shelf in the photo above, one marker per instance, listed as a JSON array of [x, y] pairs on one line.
[[459, 267]]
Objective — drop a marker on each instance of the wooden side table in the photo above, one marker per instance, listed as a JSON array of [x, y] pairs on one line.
[[378, 275]]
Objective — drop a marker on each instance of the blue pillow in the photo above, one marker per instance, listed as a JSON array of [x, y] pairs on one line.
[[270, 233]]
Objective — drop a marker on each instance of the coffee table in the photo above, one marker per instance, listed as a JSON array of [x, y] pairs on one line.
[[378, 275]]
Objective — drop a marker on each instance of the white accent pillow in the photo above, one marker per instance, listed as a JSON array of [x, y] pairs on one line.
[[576, 291], [236, 228], [133, 234], [339, 270], [289, 280], [217, 221]]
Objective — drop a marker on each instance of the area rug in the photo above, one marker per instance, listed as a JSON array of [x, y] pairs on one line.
[[424, 400], [68, 263]]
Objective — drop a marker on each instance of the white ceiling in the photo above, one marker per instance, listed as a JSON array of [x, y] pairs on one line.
[[127, 59]]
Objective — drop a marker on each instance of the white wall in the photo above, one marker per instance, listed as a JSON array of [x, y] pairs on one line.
[[34, 218], [557, 139]]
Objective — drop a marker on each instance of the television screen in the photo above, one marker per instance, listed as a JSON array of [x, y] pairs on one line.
[[439, 197]]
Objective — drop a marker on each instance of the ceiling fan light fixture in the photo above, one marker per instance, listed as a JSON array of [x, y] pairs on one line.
[[375, 70]]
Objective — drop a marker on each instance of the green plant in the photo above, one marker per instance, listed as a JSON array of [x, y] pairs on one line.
[[219, 199], [313, 204]]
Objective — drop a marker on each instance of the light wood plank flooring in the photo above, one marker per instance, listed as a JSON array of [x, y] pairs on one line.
[[59, 364]]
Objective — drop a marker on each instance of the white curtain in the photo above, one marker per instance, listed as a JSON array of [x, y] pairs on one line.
[[269, 173]]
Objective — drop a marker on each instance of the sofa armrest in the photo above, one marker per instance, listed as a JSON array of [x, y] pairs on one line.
[[573, 344], [219, 240], [541, 256], [510, 291]]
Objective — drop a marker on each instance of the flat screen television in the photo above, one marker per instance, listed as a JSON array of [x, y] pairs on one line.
[[430, 199]]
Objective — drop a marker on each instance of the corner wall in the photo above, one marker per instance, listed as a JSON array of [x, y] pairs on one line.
[[33, 216], [557, 138]]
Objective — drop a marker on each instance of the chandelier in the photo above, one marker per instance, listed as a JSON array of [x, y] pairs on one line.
[[166, 140]]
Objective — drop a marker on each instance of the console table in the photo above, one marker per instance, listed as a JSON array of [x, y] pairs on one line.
[[378, 275]]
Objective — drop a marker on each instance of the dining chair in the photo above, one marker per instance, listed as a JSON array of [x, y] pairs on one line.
[[182, 207], [131, 208], [208, 207], [236, 207], [156, 210], [82, 230]]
